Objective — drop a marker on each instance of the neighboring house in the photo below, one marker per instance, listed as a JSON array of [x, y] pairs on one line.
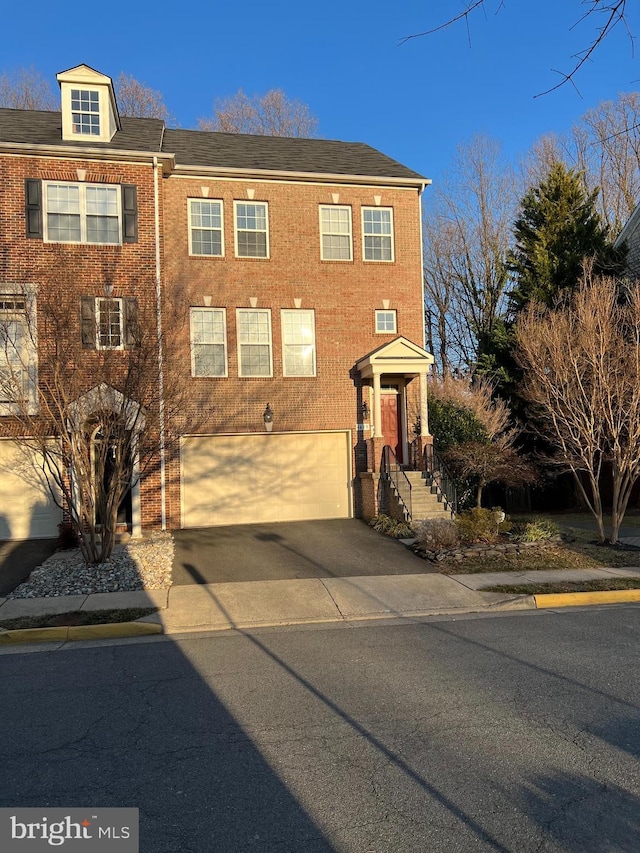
[[299, 264], [630, 236]]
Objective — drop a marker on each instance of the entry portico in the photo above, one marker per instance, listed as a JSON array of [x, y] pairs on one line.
[[391, 367]]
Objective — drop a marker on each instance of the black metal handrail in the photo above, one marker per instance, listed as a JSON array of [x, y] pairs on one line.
[[392, 471], [441, 477]]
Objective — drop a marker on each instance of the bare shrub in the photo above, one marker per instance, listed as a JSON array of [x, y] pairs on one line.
[[436, 533]]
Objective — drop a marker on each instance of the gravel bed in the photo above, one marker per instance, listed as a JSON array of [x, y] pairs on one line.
[[139, 564]]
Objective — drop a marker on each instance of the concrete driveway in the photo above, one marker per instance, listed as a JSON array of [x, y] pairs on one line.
[[339, 548], [19, 558]]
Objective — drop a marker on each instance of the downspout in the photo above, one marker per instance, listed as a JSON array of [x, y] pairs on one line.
[[156, 205]]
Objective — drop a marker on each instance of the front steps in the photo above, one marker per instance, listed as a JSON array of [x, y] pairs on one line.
[[425, 500]]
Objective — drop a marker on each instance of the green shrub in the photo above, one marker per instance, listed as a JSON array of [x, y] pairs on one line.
[[534, 529], [436, 533], [390, 527], [481, 525]]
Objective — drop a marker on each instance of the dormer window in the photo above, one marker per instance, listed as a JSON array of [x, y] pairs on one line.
[[85, 109], [88, 103]]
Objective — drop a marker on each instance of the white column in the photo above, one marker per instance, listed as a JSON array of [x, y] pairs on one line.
[[424, 409], [377, 406], [404, 431]]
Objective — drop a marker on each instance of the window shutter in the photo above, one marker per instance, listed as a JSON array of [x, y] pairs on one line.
[[88, 322], [131, 323], [33, 207], [129, 213]]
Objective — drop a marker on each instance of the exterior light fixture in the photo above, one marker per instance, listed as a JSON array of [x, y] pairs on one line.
[[108, 290], [268, 418], [365, 411]]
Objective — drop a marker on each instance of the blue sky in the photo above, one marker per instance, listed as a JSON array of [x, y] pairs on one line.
[[415, 101]]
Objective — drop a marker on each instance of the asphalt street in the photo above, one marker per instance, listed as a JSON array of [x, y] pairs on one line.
[[516, 732]]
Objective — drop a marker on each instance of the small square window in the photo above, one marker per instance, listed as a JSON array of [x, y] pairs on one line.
[[252, 229], [386, 322], [377, 234]]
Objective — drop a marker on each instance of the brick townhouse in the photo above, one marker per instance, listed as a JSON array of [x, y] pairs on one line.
[[295, 268]]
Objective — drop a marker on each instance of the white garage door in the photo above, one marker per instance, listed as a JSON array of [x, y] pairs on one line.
[[242, 479], [27, 510]]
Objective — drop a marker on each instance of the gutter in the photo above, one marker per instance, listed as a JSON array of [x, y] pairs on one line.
[[161, 413], [112, 154]]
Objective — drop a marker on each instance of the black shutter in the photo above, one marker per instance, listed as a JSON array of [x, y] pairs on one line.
[[131, 323], [33, 207], [88, 322], [129, 213]]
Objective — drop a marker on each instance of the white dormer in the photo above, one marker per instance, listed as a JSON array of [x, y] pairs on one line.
[[89, 109]]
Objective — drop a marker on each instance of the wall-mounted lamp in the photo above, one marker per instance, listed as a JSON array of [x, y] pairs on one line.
[[268, 418], [365, 410], [108, 290]]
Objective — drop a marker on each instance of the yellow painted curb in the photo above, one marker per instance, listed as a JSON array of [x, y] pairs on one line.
[[79, 632], [577, 599]]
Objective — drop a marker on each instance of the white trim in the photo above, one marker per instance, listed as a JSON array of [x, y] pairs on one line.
[[264, 204], [328, 233], [211, 310], [391, 236], [120, 303], [240, 343], [190, 226]]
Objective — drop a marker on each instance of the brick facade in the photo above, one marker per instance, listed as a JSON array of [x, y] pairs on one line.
[[343, 294]]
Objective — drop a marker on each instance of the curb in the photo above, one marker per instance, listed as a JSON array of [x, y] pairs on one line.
[[66, 633], [578, 599]]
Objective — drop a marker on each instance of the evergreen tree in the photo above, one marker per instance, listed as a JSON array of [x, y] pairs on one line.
[[557, 229]]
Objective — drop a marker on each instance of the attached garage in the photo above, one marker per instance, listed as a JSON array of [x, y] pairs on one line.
[[27, 510], [241, 479]]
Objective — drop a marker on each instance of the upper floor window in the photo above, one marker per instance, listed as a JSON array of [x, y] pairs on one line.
[[386, 322], [298, 342], [205, 227], [208, 342], [109, 322], [335, 233], [377, 233], [254, 342], [81, 213], [85, 111], [252, 229]]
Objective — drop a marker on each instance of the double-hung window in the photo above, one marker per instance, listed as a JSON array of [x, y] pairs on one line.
[[109, 322], [208, 342], [85, 111], [206, 235], [254, 342], [335, 233], [251, 229], [377, 233], [298, 342], [82, 213], [14, 349]]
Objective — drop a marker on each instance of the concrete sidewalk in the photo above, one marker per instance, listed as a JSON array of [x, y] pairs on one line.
[[253, 604]]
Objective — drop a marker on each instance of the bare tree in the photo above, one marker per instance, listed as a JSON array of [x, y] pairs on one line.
[[26, 89], [605, 15], [466, 237], [81, 378], [138, 100], [581, 362], [271, 114]]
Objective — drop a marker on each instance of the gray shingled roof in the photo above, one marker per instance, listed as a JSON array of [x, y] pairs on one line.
[[224, 150], [240, 151], [36, 127]]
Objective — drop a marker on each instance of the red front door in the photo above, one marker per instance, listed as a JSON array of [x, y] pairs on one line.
[[390, 411]]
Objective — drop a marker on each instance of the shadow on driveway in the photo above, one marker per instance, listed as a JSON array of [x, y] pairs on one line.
[[19, 559], [339, 548]]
